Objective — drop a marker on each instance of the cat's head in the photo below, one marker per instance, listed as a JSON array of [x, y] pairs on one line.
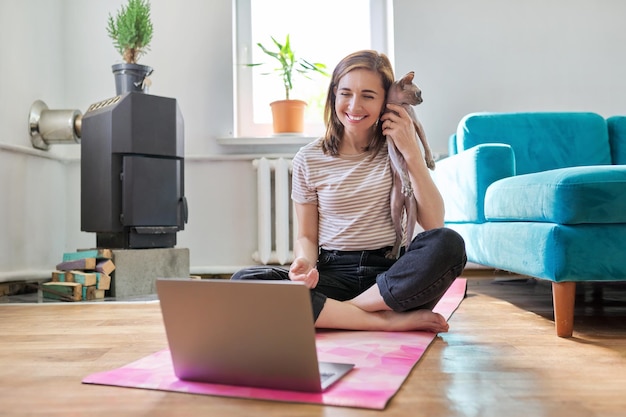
[[403, 91]]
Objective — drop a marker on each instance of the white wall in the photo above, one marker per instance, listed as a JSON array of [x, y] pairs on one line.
[[493, 55], [469, 55], [31, 185]]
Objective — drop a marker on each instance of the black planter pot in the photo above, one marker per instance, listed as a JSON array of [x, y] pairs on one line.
[[131, 77]]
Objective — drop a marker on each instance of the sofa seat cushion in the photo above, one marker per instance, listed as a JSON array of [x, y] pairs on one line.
[[575, 195]]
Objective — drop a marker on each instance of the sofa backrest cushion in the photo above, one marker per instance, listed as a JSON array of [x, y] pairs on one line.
[[540, 140]]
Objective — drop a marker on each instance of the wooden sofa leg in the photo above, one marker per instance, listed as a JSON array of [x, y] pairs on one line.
[[563, 299]]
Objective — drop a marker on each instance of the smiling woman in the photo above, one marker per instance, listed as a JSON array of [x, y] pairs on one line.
[[324, 30]]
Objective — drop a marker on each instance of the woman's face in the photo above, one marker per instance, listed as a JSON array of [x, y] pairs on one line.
[[359, 100]]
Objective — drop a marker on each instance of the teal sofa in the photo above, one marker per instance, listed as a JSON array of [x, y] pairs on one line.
[[541, 194]]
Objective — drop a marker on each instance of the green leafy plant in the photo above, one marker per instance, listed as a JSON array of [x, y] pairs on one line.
[[289, 64], [131, 30]]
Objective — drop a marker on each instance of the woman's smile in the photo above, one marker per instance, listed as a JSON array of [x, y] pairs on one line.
[[354, 118]]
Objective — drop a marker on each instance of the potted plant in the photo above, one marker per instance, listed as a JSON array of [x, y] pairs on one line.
[[131, 32], [288, 114]]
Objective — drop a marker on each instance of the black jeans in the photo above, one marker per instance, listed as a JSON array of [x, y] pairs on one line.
[[416, 280]]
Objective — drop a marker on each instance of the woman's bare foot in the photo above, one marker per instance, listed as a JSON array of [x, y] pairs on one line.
[[347, 316], [425, 320], [372, 302]]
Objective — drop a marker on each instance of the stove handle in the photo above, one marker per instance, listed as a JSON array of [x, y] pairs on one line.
[[183, 200]]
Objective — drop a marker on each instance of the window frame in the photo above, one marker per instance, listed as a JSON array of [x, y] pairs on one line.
[[381, 29]]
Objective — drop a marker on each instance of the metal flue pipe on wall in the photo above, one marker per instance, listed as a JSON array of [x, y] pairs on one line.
[[47, 127]]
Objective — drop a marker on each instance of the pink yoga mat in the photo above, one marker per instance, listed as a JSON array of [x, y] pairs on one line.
[[383, 361]]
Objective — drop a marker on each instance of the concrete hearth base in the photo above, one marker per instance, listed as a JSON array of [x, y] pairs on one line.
[[136, 270]]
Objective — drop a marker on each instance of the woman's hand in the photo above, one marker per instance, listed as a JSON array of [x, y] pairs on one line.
[[302, 270], [397, 124]]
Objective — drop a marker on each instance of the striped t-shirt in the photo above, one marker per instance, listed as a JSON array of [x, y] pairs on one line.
[[352, 197]]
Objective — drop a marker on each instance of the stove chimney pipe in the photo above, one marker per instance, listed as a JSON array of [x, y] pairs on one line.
[[53, 126]]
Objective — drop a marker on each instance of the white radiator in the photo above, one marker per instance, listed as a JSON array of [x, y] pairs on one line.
[[276, 225]]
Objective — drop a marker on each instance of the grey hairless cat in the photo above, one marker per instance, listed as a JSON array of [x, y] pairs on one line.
[[403, 205]]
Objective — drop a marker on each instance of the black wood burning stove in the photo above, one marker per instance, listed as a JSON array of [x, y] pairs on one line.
[[132, 171]]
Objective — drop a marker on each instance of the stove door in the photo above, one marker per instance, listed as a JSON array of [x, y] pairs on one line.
[[151, 191]]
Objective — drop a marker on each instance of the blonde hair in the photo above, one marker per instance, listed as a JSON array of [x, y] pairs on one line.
[[366, 59]]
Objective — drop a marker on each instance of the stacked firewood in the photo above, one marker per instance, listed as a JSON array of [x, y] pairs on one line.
[[82, 275]]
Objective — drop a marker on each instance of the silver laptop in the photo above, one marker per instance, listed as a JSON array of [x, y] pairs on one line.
[[248, 333]]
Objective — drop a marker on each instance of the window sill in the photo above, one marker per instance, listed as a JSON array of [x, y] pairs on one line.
[[287, 144], [268, 140]]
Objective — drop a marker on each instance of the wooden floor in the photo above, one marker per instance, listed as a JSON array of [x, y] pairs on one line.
[[500, 358]]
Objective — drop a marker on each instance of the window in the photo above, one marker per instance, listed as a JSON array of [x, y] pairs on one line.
[[320, 31]]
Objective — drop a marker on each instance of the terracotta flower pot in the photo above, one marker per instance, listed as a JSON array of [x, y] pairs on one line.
[[288, 116]]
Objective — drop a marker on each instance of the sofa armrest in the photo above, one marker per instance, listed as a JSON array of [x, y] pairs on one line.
[[463, 179]]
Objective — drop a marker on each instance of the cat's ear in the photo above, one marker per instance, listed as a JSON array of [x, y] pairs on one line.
[[408, 78]]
